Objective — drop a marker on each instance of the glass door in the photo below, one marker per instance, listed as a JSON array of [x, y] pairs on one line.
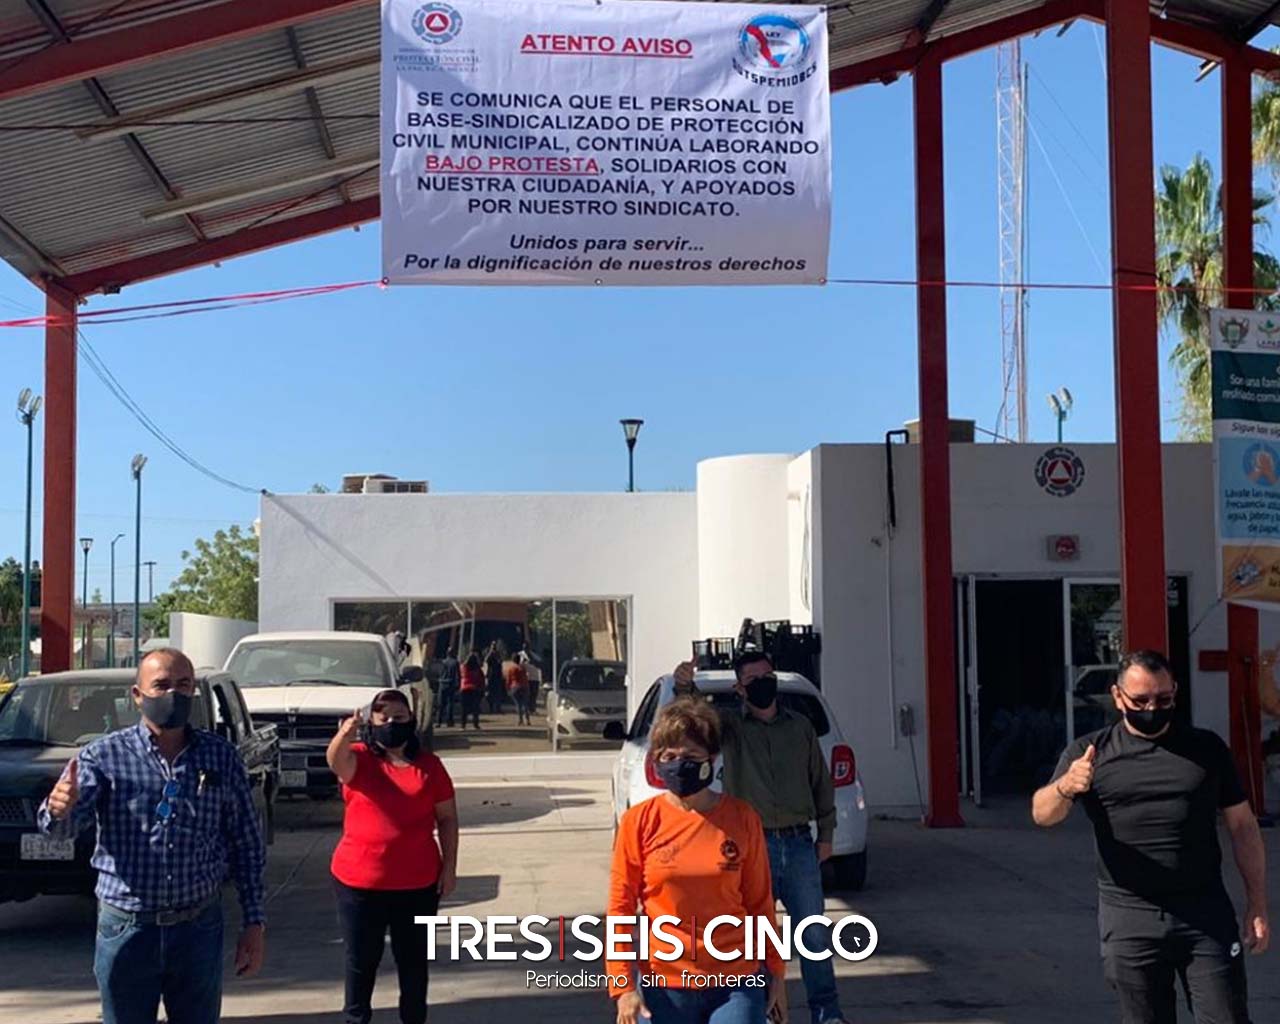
[[1094, 641]]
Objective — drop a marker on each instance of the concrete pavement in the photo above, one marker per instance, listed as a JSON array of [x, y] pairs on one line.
[[993, 924]]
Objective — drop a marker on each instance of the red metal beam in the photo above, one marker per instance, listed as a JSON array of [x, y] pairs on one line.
[[59, 563], [935, 454], [1244, 712], [77, 60], [238, 243], [1137, 357]]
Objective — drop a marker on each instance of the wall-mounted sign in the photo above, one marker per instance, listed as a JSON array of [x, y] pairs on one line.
[[1245, 354], [1064, 547], [1060, 471], [569, 142]]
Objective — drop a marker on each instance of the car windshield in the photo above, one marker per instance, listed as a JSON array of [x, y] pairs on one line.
[[282, 662], [71, 714], [800, 703], [594, 675]]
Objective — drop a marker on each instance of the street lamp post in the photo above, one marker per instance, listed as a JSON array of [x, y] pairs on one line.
[[85, 544], [136, 466], [111, 630], [28, 406], [631, 430], [151, 581], [1060, 404]]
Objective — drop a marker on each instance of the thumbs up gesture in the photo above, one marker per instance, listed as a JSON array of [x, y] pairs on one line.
[[1079, 777], [66, 792]]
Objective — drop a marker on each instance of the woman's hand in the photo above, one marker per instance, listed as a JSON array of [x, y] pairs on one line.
[[447, 882], [349, 728], [631, 1008], [775, 1008]]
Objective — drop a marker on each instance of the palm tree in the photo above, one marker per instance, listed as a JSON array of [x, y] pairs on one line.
[[1189, 267]]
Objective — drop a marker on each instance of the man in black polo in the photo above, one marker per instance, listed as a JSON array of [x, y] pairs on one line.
[[1153, 788]]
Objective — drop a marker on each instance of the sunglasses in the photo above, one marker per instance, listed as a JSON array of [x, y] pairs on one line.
[[164, 809], [1161, 701]]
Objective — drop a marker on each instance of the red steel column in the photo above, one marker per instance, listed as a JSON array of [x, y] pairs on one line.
[[935, 453], [59, 553], [1137, 367], [1237, 251]]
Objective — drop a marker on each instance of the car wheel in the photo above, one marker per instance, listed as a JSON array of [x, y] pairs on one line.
[[848, 873]]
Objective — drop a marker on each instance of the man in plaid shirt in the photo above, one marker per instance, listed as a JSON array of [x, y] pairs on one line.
[[175, 816]]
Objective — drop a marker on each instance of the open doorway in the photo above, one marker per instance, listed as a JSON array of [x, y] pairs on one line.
[[1021, 719]]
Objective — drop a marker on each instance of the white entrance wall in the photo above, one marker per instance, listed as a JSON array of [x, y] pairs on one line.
[[318, 549], [869, 582]]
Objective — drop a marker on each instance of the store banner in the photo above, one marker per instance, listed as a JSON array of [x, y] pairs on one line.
[[1245, 354], [639, 142]]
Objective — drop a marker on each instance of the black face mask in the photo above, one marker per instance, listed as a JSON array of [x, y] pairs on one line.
[[762, 691], [392, 735], [168, 711], [684, 776], [1149, 721]]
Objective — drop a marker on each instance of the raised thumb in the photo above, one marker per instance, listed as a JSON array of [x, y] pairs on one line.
[[1091, 753], [73, 771]]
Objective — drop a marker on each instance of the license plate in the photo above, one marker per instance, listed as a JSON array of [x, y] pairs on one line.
[[37, 847], [293, 780], [293, 761]]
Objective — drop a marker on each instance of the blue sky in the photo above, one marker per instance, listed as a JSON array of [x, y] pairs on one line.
[[503, 389]]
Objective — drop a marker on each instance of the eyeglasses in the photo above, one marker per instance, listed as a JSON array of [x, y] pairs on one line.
[[1161, 701], [164, 809]]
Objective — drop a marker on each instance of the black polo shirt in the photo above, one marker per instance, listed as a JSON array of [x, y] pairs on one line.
[[1154, 807]]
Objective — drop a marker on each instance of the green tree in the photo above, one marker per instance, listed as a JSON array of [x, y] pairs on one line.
[[220, 578], [10, 592], [1189, 267]]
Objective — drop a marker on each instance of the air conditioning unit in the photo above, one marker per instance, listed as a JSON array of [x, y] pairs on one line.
[[381, 483]]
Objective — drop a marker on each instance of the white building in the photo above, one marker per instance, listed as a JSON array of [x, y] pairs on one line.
[[806, 538]]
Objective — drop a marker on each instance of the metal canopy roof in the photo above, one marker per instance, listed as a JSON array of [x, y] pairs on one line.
[[106, 189]]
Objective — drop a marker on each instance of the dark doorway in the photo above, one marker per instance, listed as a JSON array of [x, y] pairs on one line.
[[1020, 658]]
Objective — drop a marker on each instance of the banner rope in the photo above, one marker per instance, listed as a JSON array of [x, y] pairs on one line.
[[218, 303]]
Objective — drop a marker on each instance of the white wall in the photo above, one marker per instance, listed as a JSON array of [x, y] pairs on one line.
[[743, 529], [801, 518], [1001, 519], [317, 549], [206, 639]]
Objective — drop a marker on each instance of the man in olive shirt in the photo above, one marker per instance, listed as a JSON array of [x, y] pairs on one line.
[[1152, 789], [773, 761]]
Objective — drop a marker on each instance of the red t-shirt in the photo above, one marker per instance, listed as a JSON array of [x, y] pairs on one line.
[[388, 832], [472, 678]]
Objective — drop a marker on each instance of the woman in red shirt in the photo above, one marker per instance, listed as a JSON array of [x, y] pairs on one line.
[[472, 689], [388, 868]]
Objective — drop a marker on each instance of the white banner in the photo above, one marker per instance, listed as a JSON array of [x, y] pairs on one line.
[[636, 142]]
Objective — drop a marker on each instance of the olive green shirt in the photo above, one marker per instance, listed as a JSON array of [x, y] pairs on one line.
[[779, 769]]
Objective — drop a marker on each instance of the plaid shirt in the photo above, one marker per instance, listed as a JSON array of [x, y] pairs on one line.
[[145, 863]]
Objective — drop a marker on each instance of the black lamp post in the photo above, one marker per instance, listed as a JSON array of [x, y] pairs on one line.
[[136, 466], [28, 406], [631, 430], [111, 629], [85, 544]]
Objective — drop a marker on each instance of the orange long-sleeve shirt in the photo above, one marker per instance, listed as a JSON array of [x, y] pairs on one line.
[[667, 860]]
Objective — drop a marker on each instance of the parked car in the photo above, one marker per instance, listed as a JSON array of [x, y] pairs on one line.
[[46, 720], [634, 777], [590, 694], [306, 683]]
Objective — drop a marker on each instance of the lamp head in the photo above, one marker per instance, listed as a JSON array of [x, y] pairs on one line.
[[1065, 397], [116, 538], [1055, 404], [85, 544], [631, 429], [24, 398], [136, 465]]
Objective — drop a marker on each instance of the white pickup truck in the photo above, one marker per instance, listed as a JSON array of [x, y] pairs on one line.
[[309, 681]]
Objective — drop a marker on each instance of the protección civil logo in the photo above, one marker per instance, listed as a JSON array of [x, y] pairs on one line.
[[437, 23]]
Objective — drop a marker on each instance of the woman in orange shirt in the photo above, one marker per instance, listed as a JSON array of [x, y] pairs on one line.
[[693, 853]]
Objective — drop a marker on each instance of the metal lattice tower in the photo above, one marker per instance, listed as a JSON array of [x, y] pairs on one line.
[[1011, 170]]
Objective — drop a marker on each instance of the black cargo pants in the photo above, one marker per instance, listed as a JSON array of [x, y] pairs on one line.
[[1147, 951]]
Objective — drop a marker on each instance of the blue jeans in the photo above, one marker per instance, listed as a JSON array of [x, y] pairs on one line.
[[797, 882], [741, 1004], [137, 966]]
